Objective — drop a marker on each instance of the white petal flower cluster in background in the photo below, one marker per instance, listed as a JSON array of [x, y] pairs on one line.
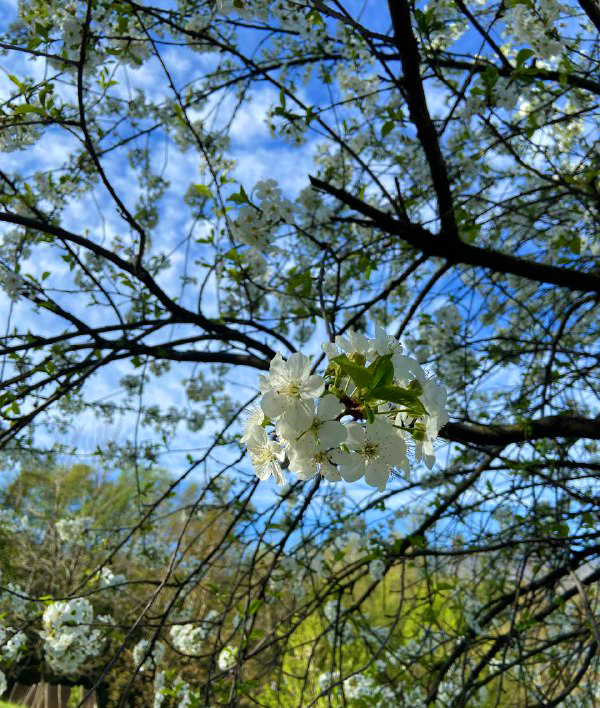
[[356, 421], [149, 659], [109, 579], [73, 530], [11, 644], [69, 639], [227, 658], [188, 638]]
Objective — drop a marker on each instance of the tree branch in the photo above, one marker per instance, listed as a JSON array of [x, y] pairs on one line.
[[419, 113], [551, 427], [459, 252]]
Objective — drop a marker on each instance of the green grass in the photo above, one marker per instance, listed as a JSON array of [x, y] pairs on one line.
[[4, 704]]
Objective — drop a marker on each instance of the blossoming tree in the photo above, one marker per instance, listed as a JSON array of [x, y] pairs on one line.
[[337, 266]]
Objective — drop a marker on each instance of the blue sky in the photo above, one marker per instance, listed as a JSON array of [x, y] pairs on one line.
[[258, 156]]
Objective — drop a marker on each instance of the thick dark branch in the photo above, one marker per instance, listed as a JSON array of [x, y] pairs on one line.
[[540, 73], [592, 10], [551, 427], [458, 252], [419, 113], [168, 352], [221, 331]]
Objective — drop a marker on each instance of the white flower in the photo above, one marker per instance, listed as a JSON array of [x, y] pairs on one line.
[[267, 190], [109, 579], [68, 637], [150, 659], [331, 350], [324, 432], [11, 644], [308, 452], [354, 343], [290, 389], [384, 343], [266, 455], [282, 209], [227, 658], [307, 465], [377, 569], [375, 449], [73, 530], [360, 686], [407, 369], [159, 684], [187, 638], [14, 284], [249, 228], [254, 416], [434, 400], [357, 345]]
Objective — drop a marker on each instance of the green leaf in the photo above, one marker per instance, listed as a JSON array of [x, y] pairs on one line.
[[360, 376], [388, 126], [400, 396], [254, 605], [28, 108], [383, 371], [415, 387], [240, 197], [523, 56], [203, 190], [575, 244], [16, 81]]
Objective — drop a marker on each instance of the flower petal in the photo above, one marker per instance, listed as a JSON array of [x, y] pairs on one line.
[[298, 366], [377, 474], [313, 387], [351, 465], [330, 349], [273, 404], [331, 434], [329, 407], [299, 415], [356, 436]]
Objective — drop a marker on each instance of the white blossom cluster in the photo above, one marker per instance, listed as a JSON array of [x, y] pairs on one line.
[[361, 689], [109, 579], [246, 9], [352, 423], [447, 26], [227, 658], [10, 521], [14, 601], [11, 644], [69, 639], [73, 530], [148, 659], [289, 13], [254, 224], [12, 283], [188, 638], [179, 688], [159, 684], [364, 687], [535, 29]]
